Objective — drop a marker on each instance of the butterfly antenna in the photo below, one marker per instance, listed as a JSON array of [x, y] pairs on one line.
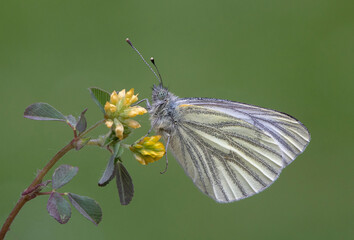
[[158, 72], [141, 56]]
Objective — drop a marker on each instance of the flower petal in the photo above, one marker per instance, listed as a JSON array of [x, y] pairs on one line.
[[121, 95], [107, 106], [109, 123], [114, 98], [119, 129], [134, 111], [128, 96]]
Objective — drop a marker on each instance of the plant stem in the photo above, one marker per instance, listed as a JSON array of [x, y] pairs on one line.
[[48, 193], [25, 198], [91, 128]]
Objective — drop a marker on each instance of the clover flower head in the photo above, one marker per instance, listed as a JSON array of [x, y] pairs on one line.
[[119, 112], [148, 150]]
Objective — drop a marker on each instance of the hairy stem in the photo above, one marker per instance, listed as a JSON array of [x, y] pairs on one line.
[[25, 198]]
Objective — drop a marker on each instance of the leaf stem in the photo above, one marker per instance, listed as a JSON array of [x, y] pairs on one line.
[[25, 198], [91, 128]]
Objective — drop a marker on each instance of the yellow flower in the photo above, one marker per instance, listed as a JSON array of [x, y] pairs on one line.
[[121, 94], [134, 111], [109, 123], [132, 123], [114, 97], [110, 108], [118, 112], [148, 150], [119, 129], [130, 98]]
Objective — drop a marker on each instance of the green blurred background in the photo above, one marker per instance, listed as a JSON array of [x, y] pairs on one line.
[[293, 56]]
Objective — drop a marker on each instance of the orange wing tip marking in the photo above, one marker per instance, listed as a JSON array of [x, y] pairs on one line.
[[185, 105]]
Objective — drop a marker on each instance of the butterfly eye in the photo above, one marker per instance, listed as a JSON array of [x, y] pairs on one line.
[[161, 95]]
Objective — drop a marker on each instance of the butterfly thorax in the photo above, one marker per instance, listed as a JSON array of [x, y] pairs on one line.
[[162, 112]]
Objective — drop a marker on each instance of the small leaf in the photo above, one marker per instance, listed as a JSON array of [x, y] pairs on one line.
[[43, 111], [88, 207], [124, 184], [82, 123], [117, 150], [108, 174], [120, 152], [71, 120], [36, 189], [59, 208], [62, 175], [82, 143], [100, 97]]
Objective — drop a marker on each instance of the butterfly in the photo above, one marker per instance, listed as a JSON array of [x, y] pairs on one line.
[[230, 150]]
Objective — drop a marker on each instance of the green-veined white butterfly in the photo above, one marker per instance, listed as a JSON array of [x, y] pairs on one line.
[[230, 150]]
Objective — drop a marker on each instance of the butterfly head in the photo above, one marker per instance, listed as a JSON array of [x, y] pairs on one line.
[[159, 93]]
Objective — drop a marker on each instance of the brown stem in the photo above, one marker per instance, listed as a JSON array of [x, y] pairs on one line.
[[48, 193], [25, 198]]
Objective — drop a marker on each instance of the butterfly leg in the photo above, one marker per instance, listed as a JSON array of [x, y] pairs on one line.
[[143, 136], [148, 106], [167, 142]]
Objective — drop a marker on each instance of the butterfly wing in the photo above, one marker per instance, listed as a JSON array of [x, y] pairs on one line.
[[227, 157], [289, 133]]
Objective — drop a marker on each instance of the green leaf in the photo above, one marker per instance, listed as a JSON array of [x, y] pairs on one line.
[[58, 208], [100, 97], [88, 207], [62, 175], [124, 184], [43, 111], [118, 150], [108, 174], [82, 123]]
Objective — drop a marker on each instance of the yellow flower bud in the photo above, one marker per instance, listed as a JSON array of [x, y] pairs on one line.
[[107, 107], [134, 111], [112, 108], [109, 123], [119, 129], [121, 94], [114, 98], [130, 93], [148, 150], [129, 97], [132, 123], [133, 99]]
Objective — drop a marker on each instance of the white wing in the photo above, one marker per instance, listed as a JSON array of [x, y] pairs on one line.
[[290, 134], [227, 157]]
